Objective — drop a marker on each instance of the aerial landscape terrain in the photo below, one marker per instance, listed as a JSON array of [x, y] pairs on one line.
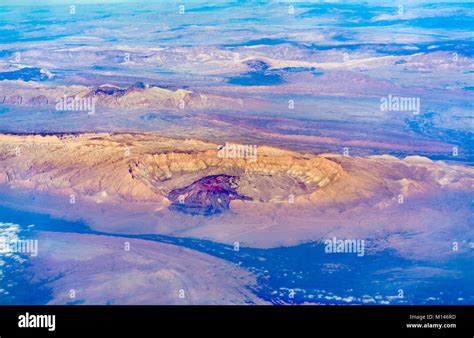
[[236, 152]]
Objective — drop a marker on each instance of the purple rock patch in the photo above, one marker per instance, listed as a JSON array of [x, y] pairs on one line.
[[209, 195]]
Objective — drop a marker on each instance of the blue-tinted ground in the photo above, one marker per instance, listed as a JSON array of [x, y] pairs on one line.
[[295, 275]]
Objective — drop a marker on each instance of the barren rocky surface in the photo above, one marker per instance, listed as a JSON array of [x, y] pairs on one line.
[[312, 194]]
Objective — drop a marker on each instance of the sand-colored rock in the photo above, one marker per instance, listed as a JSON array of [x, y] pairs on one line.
[[122, 182], [146, 167]]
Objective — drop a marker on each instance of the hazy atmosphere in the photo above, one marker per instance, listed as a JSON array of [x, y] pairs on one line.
[[236, 152]]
